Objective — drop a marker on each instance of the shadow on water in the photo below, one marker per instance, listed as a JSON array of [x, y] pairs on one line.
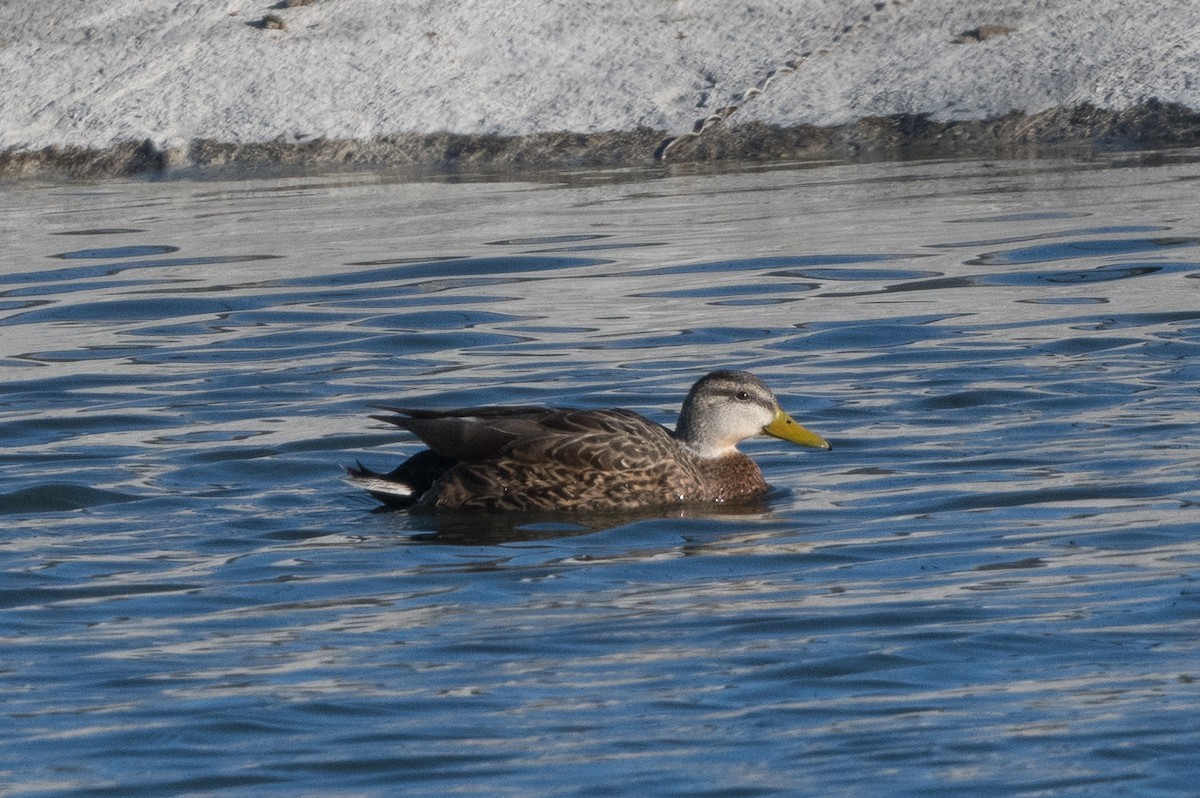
[[459, 528]]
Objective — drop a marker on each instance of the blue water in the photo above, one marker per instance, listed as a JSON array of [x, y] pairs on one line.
[[988, 588]]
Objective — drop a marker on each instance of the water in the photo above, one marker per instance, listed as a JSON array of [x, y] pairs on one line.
[[989, 587]]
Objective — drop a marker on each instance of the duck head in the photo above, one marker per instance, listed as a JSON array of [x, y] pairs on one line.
[[726, 407]]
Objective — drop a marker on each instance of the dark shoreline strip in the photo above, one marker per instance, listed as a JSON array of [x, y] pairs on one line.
[[1149, 126]]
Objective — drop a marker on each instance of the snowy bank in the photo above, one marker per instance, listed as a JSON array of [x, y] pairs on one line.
[[129, 85]]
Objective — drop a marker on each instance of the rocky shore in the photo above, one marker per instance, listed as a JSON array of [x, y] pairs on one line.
[[209, 88]]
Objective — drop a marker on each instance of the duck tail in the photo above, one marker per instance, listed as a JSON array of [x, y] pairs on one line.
[[385, 487]]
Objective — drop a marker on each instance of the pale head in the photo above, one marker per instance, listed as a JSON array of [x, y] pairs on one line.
[[726, 407]]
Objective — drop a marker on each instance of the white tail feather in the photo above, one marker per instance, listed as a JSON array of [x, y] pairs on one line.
[[378, 485]]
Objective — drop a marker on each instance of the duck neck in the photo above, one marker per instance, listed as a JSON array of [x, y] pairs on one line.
[[697, 438]]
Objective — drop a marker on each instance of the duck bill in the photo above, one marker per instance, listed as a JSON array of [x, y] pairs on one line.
[[785, 427]]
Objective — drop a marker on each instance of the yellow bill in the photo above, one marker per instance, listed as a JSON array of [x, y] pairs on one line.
[[785, 427]]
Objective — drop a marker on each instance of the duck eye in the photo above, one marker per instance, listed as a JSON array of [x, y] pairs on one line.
[[742, 396]]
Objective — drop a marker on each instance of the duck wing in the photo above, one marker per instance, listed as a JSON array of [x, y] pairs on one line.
[[468, 434], [606, 440], [599, 441]]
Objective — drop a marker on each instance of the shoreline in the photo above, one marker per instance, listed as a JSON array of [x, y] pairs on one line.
[[1078, 130]]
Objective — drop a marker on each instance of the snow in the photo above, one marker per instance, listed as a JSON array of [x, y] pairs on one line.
[[93, 74]]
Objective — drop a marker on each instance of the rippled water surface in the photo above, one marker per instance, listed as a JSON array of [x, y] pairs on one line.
[[988, 587]]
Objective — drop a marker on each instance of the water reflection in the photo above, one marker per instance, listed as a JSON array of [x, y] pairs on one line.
[[1082, 248], [483, 529]]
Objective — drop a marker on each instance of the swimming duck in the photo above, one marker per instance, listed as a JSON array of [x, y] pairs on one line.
[[545, 458]]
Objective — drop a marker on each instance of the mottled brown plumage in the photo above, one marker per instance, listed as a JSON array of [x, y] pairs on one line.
[[537, 458]]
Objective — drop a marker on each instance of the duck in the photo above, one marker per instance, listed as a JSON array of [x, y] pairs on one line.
[[533, 458]]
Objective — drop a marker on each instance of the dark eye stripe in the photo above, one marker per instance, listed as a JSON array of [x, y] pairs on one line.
[[733, 394]]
